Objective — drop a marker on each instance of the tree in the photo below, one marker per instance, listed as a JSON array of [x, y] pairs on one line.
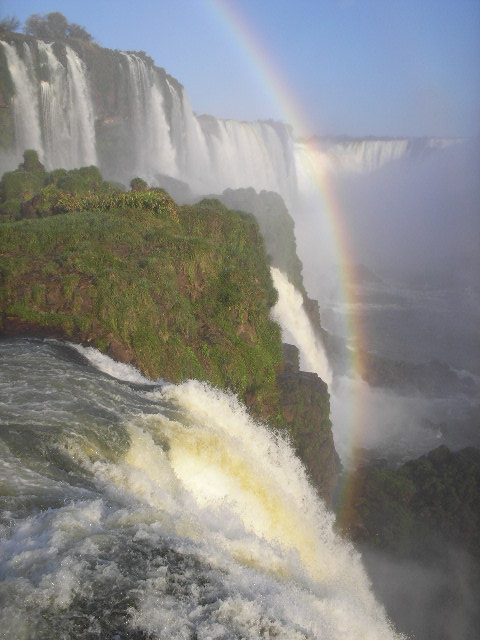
[[76, 31], [54, 27], [137, 184], [10, 23], [36, 26], [57, 25], [31, 161]]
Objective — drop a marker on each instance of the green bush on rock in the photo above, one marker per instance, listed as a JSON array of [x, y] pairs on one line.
[[178, 291]]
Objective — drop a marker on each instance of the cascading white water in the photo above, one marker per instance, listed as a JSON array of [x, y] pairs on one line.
[[54, 103], [82, 122], [67, 111], [257, 155], [366, 155], [61, 128], [25, 102], [160, 511], [163, 135], [151, 148], [208, 154], [350, 156], [291, 316]]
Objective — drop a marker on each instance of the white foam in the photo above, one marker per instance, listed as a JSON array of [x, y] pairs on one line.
[[202, 522], [104, 363], [289, 312]]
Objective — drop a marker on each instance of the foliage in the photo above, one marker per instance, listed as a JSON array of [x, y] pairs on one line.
[[54, 27], [178, 291], [8, 24], [31, 161], [137, 184], [30, 191], [402, 510], [277, 227], [28, 178]]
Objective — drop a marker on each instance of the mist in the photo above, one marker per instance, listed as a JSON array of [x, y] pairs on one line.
[[417, 218], [413, 238], [428, 598]]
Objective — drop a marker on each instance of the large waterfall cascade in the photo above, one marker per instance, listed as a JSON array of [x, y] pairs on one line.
[[60, 115], [159, 510], [25, 102], [54, 115], [161, 135]]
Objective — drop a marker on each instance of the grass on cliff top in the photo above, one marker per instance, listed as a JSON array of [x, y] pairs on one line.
[[181, 292]]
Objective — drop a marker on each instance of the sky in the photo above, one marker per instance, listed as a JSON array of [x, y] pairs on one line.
[[340, 67]]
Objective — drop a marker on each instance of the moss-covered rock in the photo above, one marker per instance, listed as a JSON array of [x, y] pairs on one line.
[[406, 510], [179, 292], [181, 289], [305, 407], [277, 227]]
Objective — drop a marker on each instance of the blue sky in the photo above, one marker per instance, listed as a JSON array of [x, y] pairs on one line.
[[355, 67]]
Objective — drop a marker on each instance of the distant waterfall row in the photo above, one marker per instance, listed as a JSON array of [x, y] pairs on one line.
[[120, 112], [157, 132]]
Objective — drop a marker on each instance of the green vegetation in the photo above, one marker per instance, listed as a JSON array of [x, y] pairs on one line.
[[54, 27], [30, 191], [276, 225], [404, 510], [8, 24], [138, 184], [180, 292]]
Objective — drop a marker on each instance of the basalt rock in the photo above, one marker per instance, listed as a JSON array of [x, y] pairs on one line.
[[305, 404]]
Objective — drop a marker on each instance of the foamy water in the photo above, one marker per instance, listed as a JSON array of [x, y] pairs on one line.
[[296, 328], [167, 512]]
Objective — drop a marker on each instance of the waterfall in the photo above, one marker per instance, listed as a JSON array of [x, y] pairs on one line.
[[158, 132], [66, 111], [207, 153], [53, 116], [256, 154], [291, 316], [151, 147], [139, 509], [367, 155], [82, 123], [25, 101]]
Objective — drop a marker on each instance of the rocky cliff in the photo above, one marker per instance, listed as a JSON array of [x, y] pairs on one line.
[[180, 292]]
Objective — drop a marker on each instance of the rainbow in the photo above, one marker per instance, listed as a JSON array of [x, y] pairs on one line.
[[253, 48]]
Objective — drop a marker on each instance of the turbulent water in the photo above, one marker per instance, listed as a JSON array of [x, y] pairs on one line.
[[133, 510]]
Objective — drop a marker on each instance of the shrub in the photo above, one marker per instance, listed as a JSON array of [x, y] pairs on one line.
[[137, 184]]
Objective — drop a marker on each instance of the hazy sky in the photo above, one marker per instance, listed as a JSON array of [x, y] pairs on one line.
[[356, 67]]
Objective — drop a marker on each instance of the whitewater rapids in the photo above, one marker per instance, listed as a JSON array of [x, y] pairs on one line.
[[133, 509]]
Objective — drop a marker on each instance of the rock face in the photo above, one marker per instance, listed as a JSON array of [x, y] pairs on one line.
[[135, 119], [409, 509], [305, 404], [180, 292]]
